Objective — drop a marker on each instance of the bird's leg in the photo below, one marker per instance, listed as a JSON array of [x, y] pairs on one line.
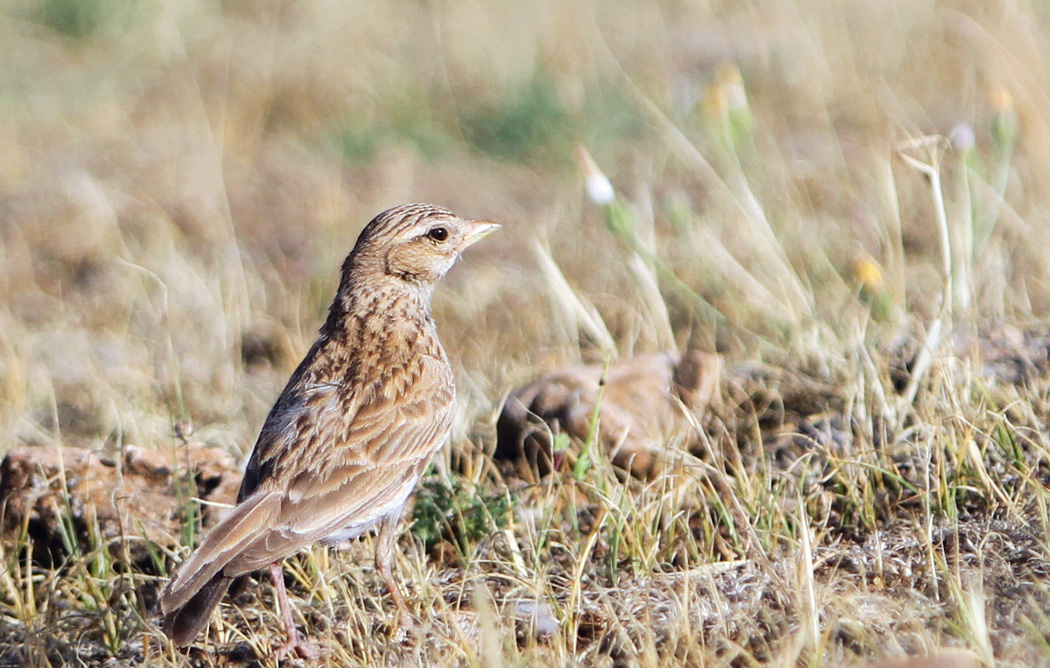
[[384, 560], [294, 642]]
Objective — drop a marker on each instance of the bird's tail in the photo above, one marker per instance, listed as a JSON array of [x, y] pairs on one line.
[[200, 582], [183, 623]]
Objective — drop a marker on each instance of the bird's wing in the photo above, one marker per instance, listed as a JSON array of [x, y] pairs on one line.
[[300, 403], [222, 544], [349, 470]]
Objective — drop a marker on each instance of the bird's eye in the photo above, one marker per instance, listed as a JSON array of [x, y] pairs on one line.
[[438, 233]]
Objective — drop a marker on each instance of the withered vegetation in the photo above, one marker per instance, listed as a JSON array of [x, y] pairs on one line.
[[846, 202]]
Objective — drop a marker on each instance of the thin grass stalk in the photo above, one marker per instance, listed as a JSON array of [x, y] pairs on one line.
[[937, 333], [573, 308]]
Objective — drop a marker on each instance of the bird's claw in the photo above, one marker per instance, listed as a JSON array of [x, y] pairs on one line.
[[299, 646]]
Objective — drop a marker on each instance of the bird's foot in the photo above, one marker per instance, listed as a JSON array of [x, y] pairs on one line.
[[398, 626], [404, 625], [298, 645]]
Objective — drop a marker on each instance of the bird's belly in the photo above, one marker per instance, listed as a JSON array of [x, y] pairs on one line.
[[345, 534], [393, 508]]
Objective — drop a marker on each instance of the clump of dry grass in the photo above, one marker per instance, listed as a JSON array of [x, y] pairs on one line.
[[174, 183]]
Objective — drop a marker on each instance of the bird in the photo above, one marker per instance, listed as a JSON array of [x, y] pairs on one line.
[[353, 430]]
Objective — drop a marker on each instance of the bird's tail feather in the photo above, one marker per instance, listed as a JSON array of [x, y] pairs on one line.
[[200, 581], [184, 623]]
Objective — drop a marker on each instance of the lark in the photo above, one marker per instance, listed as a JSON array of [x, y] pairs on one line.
[[358, 422]]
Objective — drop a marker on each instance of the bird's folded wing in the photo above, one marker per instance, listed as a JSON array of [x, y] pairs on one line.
[[356, 483], [343, 511], [222, 545]]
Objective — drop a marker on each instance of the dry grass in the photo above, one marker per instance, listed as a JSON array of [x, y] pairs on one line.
[[178, 182]]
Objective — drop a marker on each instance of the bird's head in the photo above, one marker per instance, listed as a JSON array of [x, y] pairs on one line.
[[417, 243]]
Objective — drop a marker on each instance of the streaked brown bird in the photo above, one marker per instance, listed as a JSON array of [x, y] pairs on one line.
[[356, 425]]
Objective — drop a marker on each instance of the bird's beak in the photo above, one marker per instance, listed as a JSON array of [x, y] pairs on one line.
[[478, 230]]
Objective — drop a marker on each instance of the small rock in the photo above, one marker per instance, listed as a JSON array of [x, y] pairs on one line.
[[538, 616], [61, 494], [640, 411], [954, 658]]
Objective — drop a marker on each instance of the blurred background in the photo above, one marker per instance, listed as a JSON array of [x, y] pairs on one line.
[[179, 182]]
